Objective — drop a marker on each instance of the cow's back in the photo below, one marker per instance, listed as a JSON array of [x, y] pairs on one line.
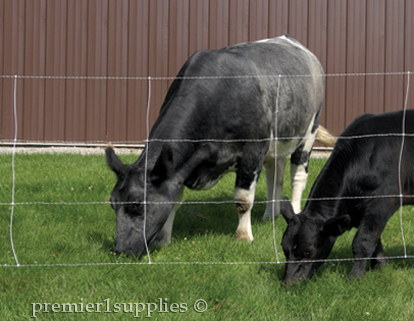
[[231, 93]]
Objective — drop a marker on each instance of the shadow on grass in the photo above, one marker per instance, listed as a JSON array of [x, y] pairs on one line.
[[393, 255], [215, 219]]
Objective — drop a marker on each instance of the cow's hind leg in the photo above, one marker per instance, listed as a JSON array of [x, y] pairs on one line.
[[274, 196], [299, 172]]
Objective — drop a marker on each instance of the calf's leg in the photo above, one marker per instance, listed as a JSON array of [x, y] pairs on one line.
[[379, 261], [367, 241]]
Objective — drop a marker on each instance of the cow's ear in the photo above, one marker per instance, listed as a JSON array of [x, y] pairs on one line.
[[337, 226], [113, 160], [287, 210], [162, 167]]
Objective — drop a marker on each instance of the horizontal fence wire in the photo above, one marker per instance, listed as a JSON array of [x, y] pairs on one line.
[[206, 202], [152, 78], [403, 135], [395, 257], [142, 143]]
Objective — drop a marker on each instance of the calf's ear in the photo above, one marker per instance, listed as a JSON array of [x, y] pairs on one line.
[[337, 226], [113, 160], [287, 210]]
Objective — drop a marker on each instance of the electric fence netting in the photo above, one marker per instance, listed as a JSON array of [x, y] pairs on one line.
[[275, 238]]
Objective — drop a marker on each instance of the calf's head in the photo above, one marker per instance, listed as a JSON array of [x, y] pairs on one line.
[[307, 241], [141, 209]]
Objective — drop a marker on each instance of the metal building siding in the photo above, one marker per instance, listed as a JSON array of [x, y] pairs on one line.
[[153, 38], [409, 48], [355, 59], [97, 66], [76, 65], [336, 64], [138, 61]]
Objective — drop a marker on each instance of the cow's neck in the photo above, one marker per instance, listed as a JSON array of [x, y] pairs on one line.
[[175, 160]]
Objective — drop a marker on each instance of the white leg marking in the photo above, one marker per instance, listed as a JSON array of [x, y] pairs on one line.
[[270, 182], [164, 236], [299, 176], [298, 182], [244, 204]]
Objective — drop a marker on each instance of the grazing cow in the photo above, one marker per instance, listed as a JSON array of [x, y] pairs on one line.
[[358, 187], [219, 116]]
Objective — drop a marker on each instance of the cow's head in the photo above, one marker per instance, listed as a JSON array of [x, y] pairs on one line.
[[308, 239], [138, 223]]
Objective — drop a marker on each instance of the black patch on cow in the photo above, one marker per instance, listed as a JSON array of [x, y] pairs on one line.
[[300, 157]]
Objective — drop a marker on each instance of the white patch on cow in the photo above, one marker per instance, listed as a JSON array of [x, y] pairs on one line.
[[296, 44], [264, 40], [298, 181], [164, 236], [244, 203]]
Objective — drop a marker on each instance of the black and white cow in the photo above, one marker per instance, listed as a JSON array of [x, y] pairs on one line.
[[358, 187], [219, 116]]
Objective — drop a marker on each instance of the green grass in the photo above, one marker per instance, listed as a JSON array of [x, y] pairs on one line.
[[79, 233]]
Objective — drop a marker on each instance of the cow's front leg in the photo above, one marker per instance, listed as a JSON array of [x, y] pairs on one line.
[[164, 236], [364, 246], [274, 193], [244, 199], [367, 240]]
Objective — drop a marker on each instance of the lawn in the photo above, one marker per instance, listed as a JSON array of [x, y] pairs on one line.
[[64, 231]]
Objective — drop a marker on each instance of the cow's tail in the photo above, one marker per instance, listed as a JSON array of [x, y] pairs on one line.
[[325, 137]]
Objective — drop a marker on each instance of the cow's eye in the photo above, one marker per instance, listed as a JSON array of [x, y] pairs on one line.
[[308, 252], [135, 208]]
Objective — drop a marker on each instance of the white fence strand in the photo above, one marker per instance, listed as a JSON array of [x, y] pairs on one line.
[[275, 174], [355, 74], [145, 172], [13, 169], [400, 162]]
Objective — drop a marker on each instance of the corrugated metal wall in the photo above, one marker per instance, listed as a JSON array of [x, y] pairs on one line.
[[73, 41]]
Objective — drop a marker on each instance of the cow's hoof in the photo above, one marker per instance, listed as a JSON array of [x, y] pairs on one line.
[[268, 216], [378, 264], [355, 276], [244, 236], [161, 239]]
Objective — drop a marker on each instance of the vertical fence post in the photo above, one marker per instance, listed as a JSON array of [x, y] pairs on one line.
[[399, 163], [13, 169]]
